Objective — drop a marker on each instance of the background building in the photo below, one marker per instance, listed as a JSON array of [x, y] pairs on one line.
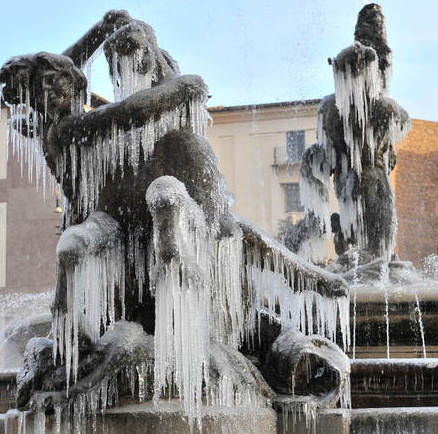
[[416, 192], [28, 228], [259, 150]]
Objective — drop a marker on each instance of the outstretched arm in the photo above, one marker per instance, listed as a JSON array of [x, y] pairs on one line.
[[81, 50], [136, 110]]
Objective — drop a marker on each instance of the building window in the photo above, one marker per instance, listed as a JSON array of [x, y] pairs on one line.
[[294, 145], [292, 197]]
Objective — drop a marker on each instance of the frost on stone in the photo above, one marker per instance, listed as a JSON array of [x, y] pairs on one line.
[[300, 295], [122, 360], [315, 174], [91, 271], [357, 86], [358, 131], [317, 373]]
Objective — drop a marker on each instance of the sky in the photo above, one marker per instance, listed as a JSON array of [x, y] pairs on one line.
[[247, 51]]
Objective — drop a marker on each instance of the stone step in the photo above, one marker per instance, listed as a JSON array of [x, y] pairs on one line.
[[145, 418], [392, 420], [394, 382]]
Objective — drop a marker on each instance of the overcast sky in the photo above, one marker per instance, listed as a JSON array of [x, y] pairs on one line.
[[247, 51]]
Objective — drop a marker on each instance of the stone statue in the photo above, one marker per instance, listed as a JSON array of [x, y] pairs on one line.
[[160, 289], [358, 128]]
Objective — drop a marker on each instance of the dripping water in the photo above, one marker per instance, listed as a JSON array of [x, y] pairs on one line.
[[420, 323], [355, 282]]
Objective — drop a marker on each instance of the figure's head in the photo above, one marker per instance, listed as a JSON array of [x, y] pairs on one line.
[[136, 44], [52, 80], [371, 31]]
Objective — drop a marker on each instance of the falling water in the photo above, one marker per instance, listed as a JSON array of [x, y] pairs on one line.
[[384, 281], [355, 282], [420, 323], [387, 323]]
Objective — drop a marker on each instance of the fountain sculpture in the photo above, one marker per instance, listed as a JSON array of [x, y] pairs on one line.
[[163, 293], [160, 290], [358, 129]]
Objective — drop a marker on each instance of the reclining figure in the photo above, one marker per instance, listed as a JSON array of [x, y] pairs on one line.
[[153, 270]]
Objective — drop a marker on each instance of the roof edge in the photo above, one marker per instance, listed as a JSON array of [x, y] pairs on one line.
[[249, 107]]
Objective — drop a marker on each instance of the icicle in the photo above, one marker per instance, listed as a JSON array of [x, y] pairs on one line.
[[355, 283], [180, 286], [125, 76], [88, 65], [90, 302], [279, 284], [226, 301], [358, 90], [28, 148]]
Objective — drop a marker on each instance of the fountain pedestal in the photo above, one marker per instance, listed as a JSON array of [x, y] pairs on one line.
[[168, 419]]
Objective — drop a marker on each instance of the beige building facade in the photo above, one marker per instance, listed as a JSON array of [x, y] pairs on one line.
[[259, 148], [28, 227]]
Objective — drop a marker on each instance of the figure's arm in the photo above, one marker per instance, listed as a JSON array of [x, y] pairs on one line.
[[136, 110], [81, 50], [391, 124]]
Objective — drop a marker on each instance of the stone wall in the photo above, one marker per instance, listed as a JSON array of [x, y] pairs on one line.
[[416, 192]]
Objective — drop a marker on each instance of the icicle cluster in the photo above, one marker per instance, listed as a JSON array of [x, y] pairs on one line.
[[90, 296], [180, 286], [137, 257], [27, 147], [203, 279], [314, 190], [125, 76], [80, 413], [25, 132], [92, 164], [227, 315], [276, 284], [298, 409], [357, 91]]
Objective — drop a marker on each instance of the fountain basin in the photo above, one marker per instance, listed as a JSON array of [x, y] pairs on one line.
[[145, 417], [394, 382]]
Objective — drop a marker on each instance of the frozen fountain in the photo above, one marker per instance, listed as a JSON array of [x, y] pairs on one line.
[[169, 311], [359, 127], [172, 313]]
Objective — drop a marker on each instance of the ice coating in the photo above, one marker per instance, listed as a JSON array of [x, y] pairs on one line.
[[191, 272], [356, 91], [179, 264], [91, 165], [358, 131], [275, 277], [151, 239], [326, 372], [92, 278]]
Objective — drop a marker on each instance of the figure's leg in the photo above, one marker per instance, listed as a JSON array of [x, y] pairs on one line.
[[95, 235], [90, 271]]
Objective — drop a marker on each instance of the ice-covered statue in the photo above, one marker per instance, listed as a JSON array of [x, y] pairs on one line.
[[358, 129], [160, 290]]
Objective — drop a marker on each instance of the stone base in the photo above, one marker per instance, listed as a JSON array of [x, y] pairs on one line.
[[146, 419]]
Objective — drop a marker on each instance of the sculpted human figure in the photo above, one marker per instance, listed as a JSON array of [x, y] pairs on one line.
[[358, 128], [150, 246]]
